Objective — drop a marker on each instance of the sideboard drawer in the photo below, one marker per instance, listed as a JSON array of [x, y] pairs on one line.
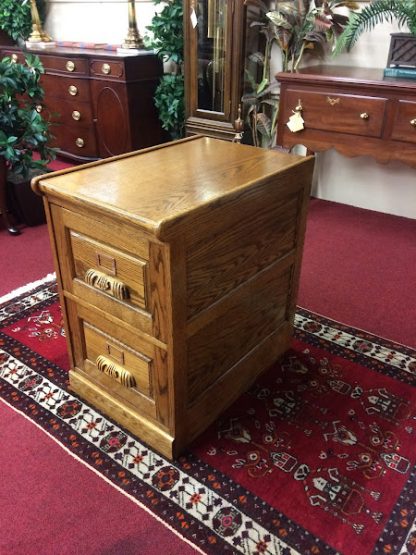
[[66, 87], [75, 139], [404, 128], [107, 68], [70, 64], [68, 112], [341, 113]]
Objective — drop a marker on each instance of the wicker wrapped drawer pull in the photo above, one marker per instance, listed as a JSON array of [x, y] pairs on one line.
[[110, 285], [115, 371]]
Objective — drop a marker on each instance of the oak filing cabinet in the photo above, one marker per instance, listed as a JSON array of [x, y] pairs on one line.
[[178, 268]]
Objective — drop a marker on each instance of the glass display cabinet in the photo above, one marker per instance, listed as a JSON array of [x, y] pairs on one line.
[[214, 65]]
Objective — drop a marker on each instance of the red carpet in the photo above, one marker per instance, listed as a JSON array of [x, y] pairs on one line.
[[319, 457]]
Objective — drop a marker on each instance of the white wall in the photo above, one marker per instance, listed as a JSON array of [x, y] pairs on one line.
[[358, 181]]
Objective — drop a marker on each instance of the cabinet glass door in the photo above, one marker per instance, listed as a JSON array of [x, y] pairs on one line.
[[212, 56]]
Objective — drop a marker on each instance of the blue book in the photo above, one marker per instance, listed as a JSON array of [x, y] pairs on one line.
[[403, 72]]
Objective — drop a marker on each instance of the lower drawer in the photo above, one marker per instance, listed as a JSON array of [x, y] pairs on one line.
[[114, 358], [75, 140]]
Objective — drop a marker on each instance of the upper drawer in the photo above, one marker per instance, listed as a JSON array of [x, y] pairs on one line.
[[404, 126], [107, 68], [341, 113], [66, 87], [65, 64], [67, 112], [106, 265]]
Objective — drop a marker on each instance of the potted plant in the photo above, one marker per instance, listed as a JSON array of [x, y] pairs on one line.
[[167, 40], [23, 130], [300, 28], [16, 18], [403, 45]]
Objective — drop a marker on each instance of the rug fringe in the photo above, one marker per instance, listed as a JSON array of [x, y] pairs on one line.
[[26, 288]]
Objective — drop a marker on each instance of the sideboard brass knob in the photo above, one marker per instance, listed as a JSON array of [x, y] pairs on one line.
[[39, 108], [80, 142], [413, 122], [72, 89], [76, 115], [106, 69], [364, 115], [70, 66], [15, 58]]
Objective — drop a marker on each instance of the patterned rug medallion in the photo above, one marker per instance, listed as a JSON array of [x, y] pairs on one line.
[[317, 458]]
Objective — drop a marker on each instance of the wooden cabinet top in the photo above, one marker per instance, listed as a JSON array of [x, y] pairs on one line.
[[163, 186], [346, 75], [84, 52]]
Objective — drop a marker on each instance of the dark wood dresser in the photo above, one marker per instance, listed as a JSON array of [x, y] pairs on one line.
[[101, 101], [178, 269], [354, 110]]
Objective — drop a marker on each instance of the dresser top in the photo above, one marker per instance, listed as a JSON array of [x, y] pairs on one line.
[[347, 75], [159, 187]]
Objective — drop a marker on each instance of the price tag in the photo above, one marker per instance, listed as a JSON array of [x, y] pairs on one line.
[[194, 19], [296, 122]]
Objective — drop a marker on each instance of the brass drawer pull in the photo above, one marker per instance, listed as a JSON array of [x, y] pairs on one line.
[[15, 58], [364, 115], [413, 122], [70, 66], [39, 108], [333, 101], [106, 69], [115, 371], [80, 142], [73, 90], [110, 285], [76, 115]]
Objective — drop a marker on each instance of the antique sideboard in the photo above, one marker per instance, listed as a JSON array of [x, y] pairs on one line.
[[178, 269], [353, 110], [100, 101]]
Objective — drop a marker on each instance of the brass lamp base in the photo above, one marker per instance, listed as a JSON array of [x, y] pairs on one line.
[[37, 34], [133, 40]]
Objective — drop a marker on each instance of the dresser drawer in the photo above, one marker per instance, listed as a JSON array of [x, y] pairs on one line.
[[110, 271], [74, 139], [341, 113], [66, 87], [67, 112], [404, 127], [107, 68], [71, 64]]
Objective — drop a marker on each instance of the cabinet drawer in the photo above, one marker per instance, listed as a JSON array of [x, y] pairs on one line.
[[341, 113], [65, 87], [67, 112], [65, 64], [107, 68], [404, 127], [109, 271], [75, 140]]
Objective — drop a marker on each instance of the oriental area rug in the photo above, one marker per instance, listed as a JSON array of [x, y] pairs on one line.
[[318, 457]]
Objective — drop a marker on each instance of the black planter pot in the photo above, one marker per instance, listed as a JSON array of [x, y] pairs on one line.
[[402, 51], [24, 203]]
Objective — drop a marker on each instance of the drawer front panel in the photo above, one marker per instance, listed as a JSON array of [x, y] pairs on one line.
[[107, 68], [68, 112], [66, 87], [404, 127], [341, 113], [74, 139], [91, 256], [128, 367], [65, 64]]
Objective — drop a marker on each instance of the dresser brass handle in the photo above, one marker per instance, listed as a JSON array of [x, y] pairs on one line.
[[39, 108], [76, 115], [106, 69], [110, 285], [73, 90], [120, 374], [333, 101], [413, 122], [80, 142], [364, 115], [70, 66], [15, 58]]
